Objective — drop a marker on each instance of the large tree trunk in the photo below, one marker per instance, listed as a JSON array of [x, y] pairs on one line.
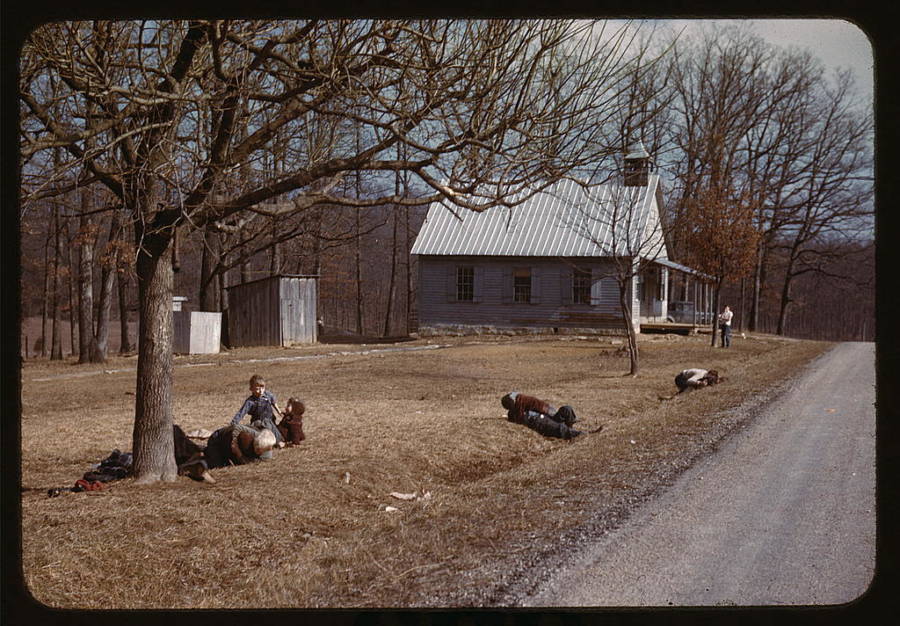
[[783, 308], [208, 296], [45, 300], [759, 285], [154, 453], [56, 341], [357, 248], [274, 251], [107, 283], [715, 309], [785, 300], [104, 315], [409, 285], [789, 275], [358, 267], [392, 285], [223, 302], [176, 252], [753, 322], [125, 344], [87, 351], [73, 301]]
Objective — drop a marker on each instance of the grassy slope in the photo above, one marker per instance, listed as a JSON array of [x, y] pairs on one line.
[[294, 532]]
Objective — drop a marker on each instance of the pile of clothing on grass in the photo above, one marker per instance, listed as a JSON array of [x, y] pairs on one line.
[[117, 465], [188, 455]]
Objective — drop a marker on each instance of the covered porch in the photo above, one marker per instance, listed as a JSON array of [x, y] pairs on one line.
[[673, 298]]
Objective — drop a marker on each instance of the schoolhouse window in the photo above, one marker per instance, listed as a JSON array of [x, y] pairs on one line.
[[522, 285], [465, 284], [581, 286]]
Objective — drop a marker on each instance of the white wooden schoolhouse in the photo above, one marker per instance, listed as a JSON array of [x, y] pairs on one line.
[[549, 264]]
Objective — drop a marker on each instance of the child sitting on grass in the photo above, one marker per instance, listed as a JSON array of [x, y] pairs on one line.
[[261, 407], [291, 425]]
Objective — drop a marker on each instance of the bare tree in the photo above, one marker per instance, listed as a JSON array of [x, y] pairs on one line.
[[720, 238], [73, 298], [87, 236], [46, 291], [56, 340], [767, 127], [831, 200], [473, 113], [617, 219], [615, 213], [108, 263], [122, 275], [721, 93]]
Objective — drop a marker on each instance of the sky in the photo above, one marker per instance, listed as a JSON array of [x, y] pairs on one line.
[[838, 43]]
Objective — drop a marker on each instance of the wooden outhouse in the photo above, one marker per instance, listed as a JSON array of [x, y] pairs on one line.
[[274, 311], [549, 264]]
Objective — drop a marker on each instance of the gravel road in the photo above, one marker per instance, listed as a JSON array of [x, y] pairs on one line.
[[783, 514]]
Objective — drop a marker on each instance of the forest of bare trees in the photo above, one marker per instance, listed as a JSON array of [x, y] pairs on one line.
[[163, 158], [781, 154]]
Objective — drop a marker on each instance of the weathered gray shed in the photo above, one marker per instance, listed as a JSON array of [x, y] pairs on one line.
[[275, 311]]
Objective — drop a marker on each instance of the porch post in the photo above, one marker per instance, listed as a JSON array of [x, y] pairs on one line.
[[695, 299], [664, 291]]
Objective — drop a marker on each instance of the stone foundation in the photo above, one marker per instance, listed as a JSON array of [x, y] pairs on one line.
[[461, 330]]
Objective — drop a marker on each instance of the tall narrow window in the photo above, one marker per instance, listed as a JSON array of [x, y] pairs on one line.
[[465, 284], [581, 286], [522, 285]]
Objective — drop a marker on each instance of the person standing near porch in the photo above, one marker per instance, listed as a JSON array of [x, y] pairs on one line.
[[725, 326]]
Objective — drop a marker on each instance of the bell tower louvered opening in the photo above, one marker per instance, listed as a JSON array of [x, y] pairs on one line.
[[637, 166]]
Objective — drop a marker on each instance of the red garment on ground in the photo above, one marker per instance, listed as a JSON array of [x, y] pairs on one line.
[[525, 403]]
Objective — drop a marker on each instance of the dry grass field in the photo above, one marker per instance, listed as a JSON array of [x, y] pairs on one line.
[[310, 527]]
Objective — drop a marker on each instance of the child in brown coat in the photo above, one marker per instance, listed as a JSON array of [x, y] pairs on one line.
[[291, 425]]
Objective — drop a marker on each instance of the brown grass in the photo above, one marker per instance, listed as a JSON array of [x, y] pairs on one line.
[[294, 533]]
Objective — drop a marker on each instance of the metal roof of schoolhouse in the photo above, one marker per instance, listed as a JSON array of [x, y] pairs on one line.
[[566, 219]]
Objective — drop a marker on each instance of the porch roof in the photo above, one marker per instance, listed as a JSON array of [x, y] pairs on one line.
[[681, 268]]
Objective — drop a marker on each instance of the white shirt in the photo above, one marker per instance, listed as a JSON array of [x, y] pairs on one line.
[[694, 374]]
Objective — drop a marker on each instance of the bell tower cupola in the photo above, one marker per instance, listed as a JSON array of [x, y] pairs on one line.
[[637, 165]]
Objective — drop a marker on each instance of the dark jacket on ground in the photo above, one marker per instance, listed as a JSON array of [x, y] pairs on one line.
[[549, 427], [189, 457], [523, 405]]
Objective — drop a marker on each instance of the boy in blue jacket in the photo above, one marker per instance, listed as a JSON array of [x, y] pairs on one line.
[[261, 407]]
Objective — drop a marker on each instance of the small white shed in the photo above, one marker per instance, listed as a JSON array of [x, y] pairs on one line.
[[196, 332]]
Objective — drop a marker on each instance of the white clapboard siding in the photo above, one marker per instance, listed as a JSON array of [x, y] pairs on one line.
[[496, 307]]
